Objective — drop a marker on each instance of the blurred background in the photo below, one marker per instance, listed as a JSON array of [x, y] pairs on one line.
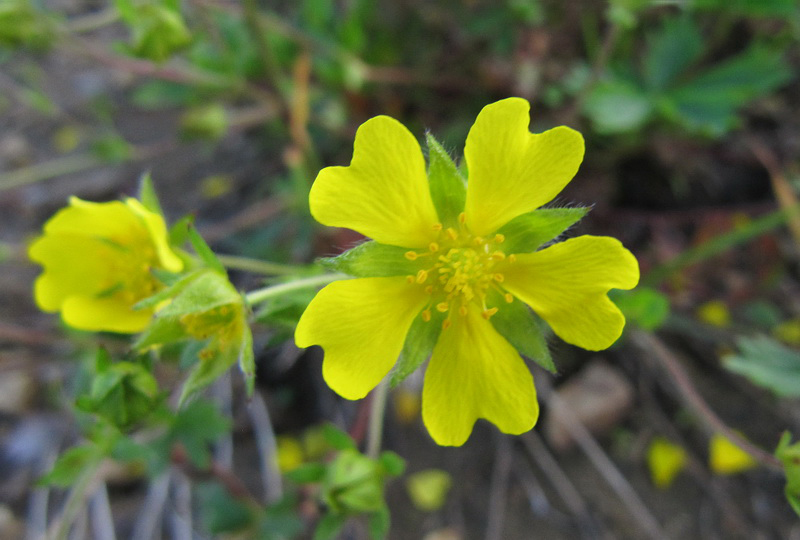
[[691, 114]]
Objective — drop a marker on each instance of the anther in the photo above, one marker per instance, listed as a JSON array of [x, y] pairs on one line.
[[422, 276], [498, 278], [499, 238], [462, 311], [512, 258], [411, 255], [462, 217], [442, 307], [498, 256], [487, 314], [446, 324], [478, 240], [509, 297], [433, 246], [437, 227], [410, 279], [429, 289], [451, 232], [426, 315]]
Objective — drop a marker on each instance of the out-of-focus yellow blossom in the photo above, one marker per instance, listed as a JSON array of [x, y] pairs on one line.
[[665, 461], [715, 313], [98, 260], [462, 275], [428, 489], [724, 457]]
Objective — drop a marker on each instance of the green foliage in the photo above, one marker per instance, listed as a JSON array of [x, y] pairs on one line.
[[22, 24], [371, 259], [70, 465], [157, 27], [672, 85], [789, 454], [193, 428], [208, 122], [767, 363], [644, 307]]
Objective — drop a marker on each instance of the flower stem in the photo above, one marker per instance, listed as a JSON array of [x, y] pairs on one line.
[[375, 430], [257, 266], [273, 291]]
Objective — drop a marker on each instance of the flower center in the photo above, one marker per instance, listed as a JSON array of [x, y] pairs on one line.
[[129, 276], [460, 271]]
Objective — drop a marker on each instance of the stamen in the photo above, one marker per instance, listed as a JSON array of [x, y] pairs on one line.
[[498, 256], [462, 310], [422, 276], [429, 289], [478, 241], [451, 232], [410, 279], [512, 258], [411, 255], [488, 313], [498, 278], [433, 246], [499, 238], [446, 324], [426, 315], [509, 297], [462, 217], [442, 307], [437, 227]]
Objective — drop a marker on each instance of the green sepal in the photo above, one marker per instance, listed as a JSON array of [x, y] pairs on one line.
[[148, 196], [207, 370], [789, 454], [528, 232], [522, 328], [421, 339], [204, 251], [372, 259], [447, 186]]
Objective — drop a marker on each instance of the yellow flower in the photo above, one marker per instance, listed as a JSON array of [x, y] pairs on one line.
[[97, 260], [464, 276]]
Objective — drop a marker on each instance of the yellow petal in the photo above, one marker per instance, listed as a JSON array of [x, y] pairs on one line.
[[566, 285], [104, 315], [362, 325], [157, 229], [384, 193], [475, 373], [112, 220], [72, 266], [665, 461], [724, 457], [511, 170]]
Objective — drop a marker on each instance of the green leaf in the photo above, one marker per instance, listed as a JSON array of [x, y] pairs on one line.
[[308, 473], [749, 8], [671, 50], [528, 232], [148, 196], [767, 363], [71, 464], [447, 186], [378, 523], [212, 364], [329, 526], [203, 251], [337, 438], [617, 106], [523, 329], [372, 259], [221, 513], [789, 454], [392, 463], [196, 427], [421, 339], [645, 307]]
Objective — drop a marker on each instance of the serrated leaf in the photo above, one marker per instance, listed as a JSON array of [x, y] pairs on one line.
[[618, 106], [671, 50], [447, 186], [209, 368], [196, 427], [528, 232], [221, 512], [523, 329], [70, 465], [767, 363], [148, 196], [372, 259], [421, 339], [337, 438]]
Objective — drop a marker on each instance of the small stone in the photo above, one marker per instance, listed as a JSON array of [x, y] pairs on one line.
[[17, 389], [599, 397]]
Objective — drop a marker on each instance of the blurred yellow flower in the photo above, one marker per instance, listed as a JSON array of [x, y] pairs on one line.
[[665, 461], [97, 260], [724, 457], [464, 276]]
